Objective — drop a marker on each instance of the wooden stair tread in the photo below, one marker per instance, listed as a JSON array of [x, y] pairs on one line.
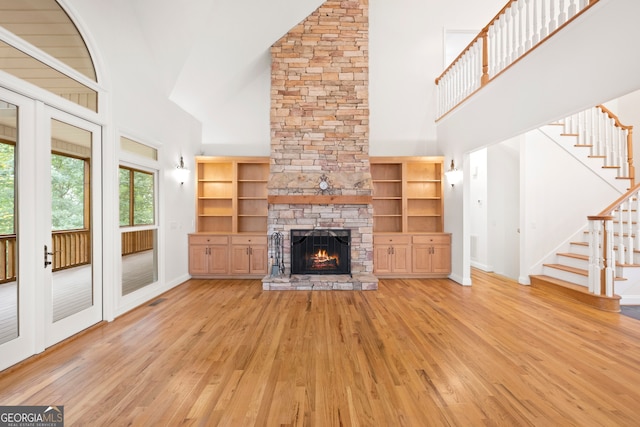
[[576, 292], [580, 271], [572, 255]]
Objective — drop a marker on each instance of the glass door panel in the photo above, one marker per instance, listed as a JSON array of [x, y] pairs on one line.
[[74, 296], [72, 289], [8, 237]]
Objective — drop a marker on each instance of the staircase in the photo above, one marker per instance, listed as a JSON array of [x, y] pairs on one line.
[[598, 139]]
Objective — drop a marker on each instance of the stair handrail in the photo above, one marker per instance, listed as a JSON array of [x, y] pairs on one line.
[[601, 130], [629, 130], [614, 235], [493, 50]]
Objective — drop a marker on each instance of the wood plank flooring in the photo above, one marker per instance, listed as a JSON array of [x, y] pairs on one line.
[[413, 353]]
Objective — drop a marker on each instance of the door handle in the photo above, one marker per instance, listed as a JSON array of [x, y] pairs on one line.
[[46, 256]]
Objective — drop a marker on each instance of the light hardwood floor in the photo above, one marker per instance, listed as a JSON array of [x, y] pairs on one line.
[[413, 353]]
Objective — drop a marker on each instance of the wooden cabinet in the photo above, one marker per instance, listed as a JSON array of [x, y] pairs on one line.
[[408, 217], [391, 254], [231, 209], [208, 255], [432, 254], [249, 255]]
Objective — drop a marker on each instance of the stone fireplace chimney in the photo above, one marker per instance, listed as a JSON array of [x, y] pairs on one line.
[[320, 134]]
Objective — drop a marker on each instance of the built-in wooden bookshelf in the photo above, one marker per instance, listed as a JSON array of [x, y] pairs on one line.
[[232, 194], [407, 194], [408, 217]]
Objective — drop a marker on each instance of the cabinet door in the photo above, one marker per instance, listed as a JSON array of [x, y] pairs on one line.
[[422, 259], [441, 259], [381, 259], [258, 260], [218, 259], [240, 259], [198, 260], [401, 259]]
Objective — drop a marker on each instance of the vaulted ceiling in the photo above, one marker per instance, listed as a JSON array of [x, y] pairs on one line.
[[228, 43]]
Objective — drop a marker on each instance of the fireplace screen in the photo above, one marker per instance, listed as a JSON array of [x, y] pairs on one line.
[[320, 251]]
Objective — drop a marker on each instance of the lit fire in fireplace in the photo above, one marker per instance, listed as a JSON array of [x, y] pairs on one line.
[[321, 260]]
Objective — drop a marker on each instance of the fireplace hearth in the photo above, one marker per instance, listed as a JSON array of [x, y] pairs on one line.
[[320, 251]]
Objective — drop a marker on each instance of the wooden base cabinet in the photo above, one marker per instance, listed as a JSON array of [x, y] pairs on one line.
[[432, 254], [392, 254], [249, 255], [208, 255], [227, 256], [401, 255]]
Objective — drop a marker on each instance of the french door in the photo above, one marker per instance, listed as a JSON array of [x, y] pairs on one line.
[[50, 227]]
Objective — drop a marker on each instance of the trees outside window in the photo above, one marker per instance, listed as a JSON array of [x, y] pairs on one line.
[[70, 207], [136, 197]]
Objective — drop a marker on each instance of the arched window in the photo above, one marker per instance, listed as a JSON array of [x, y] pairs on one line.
[[40, 44]]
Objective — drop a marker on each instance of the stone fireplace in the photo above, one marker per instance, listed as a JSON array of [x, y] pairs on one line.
[[319, 173], [320, 251]]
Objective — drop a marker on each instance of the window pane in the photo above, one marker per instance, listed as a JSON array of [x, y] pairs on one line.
[[143, 212], [125, 196], [46, 25], [23, 66], [139, 260], [67, 193], [136, 148]]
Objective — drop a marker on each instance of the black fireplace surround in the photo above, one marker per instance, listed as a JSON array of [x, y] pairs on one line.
[[321, 251]]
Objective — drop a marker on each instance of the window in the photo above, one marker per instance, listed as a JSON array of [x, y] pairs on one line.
[[137, 194], [69, 196]]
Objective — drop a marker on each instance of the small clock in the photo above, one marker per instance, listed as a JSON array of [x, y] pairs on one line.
[[323, 184]]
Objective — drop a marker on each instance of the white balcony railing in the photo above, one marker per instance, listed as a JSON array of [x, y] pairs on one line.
[[518, 28]]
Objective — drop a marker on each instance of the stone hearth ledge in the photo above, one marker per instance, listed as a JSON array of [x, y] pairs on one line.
[[313, 282]]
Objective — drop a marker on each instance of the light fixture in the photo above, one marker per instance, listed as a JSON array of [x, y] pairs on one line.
[[182, 173], [453, 175]]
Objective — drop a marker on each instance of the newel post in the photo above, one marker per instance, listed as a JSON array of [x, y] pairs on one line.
[[601, 255], [484, 35]]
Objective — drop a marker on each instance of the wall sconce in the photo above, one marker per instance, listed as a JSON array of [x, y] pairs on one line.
[[453, 175], [182, 173]]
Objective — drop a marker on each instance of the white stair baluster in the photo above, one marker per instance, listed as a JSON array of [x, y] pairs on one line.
[[573, 9], [553, 23], [536, 27], [610, 259], [595, 258], [527, 20], [519, 22], [636, 223], [562, 16], [507, 36], [629, 226], [619, 241]]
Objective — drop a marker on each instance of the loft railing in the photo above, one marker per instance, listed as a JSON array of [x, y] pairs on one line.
[[518, 28], [601, 131], [614, 236]]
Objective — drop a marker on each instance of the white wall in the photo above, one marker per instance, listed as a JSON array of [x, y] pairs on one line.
[[503, 165], [478, 211]]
